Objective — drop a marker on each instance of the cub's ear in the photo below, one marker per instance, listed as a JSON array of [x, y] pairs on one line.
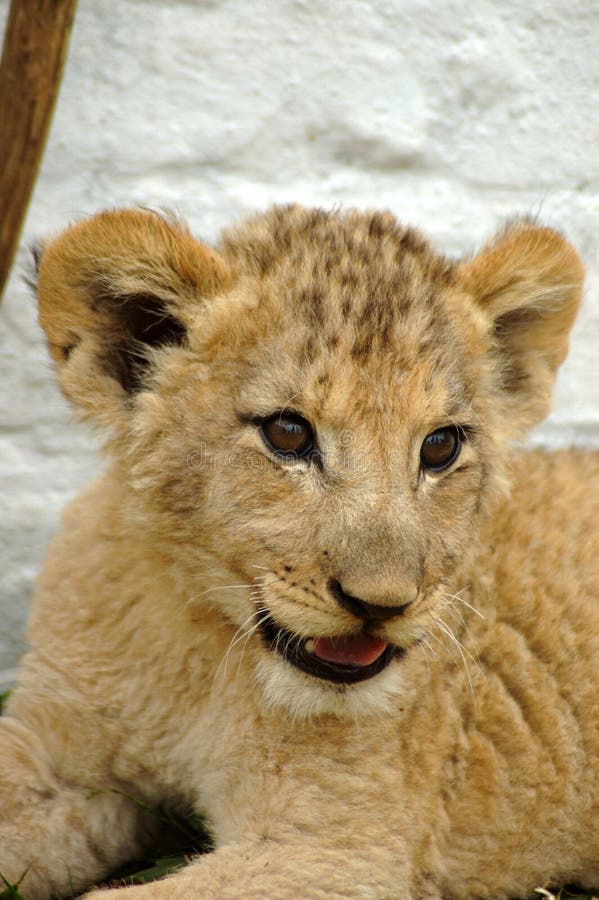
[[529, 282], [111, 291]]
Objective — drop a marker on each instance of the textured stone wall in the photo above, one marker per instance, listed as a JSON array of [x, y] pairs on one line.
[[453, 115]]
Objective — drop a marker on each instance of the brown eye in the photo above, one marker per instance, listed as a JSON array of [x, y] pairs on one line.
[[288, 435], [440, 449]]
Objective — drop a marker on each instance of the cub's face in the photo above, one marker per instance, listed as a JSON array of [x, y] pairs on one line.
[[313, 421]]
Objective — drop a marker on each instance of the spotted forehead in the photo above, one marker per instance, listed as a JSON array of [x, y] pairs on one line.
[[366, 254], [356, 275], [355, 295]]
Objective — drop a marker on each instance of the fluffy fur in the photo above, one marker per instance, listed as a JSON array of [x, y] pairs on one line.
[[467, 768]]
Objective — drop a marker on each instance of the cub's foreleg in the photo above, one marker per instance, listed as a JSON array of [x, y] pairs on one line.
[[55, 837], [302, 867]]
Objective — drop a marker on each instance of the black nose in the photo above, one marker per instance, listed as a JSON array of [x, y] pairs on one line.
[[362, 609]]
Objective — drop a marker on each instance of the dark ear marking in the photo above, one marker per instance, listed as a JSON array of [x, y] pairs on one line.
[[138, 323], [528, 283], [67, 350], [116, 295]]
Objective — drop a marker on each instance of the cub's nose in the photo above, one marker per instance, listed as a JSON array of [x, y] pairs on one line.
[[362, 608]]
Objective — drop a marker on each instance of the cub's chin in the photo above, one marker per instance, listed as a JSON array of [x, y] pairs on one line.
[[304, 696]]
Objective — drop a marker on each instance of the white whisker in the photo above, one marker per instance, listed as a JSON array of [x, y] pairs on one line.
[[245, 638], [465, 603], [465, 654], [457, 643], [240, 633], [221, 587]]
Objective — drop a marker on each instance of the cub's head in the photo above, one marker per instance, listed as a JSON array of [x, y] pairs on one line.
[[311, 419]]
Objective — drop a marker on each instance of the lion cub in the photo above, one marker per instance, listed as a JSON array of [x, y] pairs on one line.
[[316, 597]]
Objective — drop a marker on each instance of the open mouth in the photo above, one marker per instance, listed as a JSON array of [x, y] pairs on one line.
[[346, 659]]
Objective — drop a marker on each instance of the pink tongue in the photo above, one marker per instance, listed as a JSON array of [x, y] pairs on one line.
[[350, 651]]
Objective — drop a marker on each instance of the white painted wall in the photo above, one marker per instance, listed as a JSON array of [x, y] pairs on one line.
[[453, 115]]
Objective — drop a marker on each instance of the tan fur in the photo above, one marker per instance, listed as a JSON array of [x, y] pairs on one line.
[[466, 768]]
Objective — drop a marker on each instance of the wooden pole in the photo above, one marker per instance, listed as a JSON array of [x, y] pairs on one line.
[[35, 45]]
